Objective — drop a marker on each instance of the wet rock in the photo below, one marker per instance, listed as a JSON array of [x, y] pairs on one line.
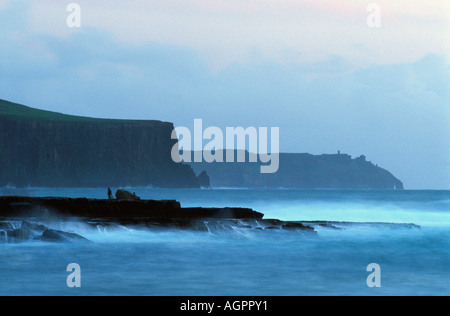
[[20, 234], [272, 227], [296, 226], [123, 209], [271, 223], [52, 235], [33, 226], [183, 224], [16, 235], [6, 226], [192, 225], [220, 227], [126, 195], [327, 225]]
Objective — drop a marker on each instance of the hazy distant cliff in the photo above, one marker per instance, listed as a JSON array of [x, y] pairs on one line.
[[303, 171], [40, 148]]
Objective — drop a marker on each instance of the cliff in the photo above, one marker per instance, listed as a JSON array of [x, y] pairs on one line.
[[303, 171], [47, 149]]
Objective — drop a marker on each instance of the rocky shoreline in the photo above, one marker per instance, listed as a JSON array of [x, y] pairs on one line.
[[16, 206], [28, 214], [26, 218]]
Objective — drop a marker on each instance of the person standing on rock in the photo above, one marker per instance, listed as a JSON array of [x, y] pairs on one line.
[[110, 195]]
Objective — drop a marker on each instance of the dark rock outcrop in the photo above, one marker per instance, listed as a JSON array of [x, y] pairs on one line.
[[126, 195], [16, 207], [114, 213], [6, 226], [296, 226], [46, 149], [203, 180], [52, 235], [16, 235], [37, 228], [31, 231]]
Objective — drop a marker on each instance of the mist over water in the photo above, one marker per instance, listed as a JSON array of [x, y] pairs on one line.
[[136, 261]]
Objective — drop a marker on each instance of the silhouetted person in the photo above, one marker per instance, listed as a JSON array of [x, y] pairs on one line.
[[110, 195]]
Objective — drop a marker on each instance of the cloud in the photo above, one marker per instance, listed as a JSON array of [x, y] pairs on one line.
[[4, 4], [284, 31]]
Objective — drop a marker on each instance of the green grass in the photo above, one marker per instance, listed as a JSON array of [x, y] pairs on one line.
[[12, 110]]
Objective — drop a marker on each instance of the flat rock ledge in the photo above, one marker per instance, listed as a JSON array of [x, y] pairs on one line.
[[25, 218], [28, 214], [15, 206]]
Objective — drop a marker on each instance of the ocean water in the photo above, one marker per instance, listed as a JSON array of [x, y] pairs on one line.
[[136, 261]]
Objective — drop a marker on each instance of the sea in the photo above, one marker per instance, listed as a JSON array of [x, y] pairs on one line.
[[410, 260]]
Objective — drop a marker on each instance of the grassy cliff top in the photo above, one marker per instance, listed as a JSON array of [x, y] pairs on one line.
[[16, 111]]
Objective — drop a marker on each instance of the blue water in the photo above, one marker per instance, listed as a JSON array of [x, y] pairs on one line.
[[133, 261]]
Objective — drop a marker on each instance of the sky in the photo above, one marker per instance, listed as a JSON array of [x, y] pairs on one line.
[[314, 68]]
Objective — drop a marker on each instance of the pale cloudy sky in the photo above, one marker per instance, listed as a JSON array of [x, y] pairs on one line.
[[312, 67], [288, 31]]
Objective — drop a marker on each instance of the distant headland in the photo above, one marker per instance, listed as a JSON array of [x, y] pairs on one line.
[[303, 171], [47, 149]]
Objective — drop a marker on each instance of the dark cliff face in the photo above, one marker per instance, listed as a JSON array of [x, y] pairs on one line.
[[39, 148], [303, 171]]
